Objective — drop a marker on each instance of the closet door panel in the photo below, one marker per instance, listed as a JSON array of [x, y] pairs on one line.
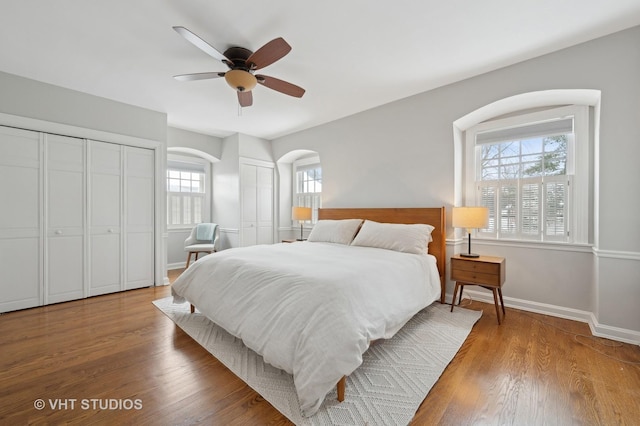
[[264, 202], [249, 208], [23, 212], [65, 209], [20, 284], [105, 218], [65, 275], [139, 217], [20, 224]]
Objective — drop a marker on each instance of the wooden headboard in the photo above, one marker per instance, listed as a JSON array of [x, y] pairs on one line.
[[434, 216]]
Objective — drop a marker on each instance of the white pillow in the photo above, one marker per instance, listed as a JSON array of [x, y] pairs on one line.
[[335, 231], [407, 238]]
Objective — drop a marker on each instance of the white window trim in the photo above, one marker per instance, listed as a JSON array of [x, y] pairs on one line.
[[206, 166], [305, 162], [577, 162]]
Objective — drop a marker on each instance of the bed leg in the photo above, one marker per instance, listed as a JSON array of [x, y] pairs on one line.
[[193, 308], [342, 384]]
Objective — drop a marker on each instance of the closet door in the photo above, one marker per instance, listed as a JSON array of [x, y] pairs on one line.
[[249, 207], [139, 217], [20, 226], [264, 203], [64, 218], [105, 218], [256, 184]]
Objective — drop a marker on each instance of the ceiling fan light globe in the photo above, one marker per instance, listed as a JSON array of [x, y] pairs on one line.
[[240, 80]]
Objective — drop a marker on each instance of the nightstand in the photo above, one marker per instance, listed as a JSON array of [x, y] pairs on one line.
[[485, 271]]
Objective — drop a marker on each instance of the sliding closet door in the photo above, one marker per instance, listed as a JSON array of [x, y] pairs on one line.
[[249, 207], [264, 202], [256, 188], [64, 218], [105, 217], [139, 217], [20, 236]]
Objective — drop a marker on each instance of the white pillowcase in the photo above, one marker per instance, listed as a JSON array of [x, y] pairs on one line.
[[335, 231], [407, 238]]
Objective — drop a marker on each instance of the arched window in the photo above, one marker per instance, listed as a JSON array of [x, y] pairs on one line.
[[529, 171], [531, 159]]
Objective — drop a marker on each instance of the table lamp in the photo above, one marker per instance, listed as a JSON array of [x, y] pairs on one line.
[[469, 218], [301, 214]]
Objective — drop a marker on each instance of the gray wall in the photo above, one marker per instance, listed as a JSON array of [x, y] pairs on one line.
[[41, 101], [402, 154]]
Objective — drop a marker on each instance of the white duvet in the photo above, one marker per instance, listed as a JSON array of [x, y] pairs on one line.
[[309, 308]]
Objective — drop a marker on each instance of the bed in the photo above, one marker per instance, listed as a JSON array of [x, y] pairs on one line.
[[313, 308]]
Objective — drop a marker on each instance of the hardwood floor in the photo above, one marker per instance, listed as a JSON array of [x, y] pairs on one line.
[[120, 351]]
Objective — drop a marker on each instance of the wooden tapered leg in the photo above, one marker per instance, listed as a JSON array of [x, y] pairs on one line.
[[495, 301], [188, 259], [342, 384], [501, 301], [455, 293], [193, 309]]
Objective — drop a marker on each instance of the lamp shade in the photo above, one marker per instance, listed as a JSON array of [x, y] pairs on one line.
[[240, 80], [469, 217], [301, 213]]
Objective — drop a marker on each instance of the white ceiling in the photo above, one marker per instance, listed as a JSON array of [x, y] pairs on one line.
[[349, 55]]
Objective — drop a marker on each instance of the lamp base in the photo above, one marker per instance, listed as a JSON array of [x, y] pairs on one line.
[[469, 255]]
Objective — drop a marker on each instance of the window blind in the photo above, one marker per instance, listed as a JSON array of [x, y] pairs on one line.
[[542, 129], [184, 166]]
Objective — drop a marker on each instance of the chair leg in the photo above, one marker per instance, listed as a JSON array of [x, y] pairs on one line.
[[188, 259]]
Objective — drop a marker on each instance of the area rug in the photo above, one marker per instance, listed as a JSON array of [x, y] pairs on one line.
[[388, 388]]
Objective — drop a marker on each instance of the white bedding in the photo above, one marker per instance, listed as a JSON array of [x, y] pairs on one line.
[[309, 308]]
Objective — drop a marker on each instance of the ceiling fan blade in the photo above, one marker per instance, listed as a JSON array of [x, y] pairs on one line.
[[245, 99], [280, 86], [198, 76], [200, 44], [268, 54]]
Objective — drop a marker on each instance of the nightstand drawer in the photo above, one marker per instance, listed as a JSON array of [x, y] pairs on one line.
[[481, 267], [475, 277]]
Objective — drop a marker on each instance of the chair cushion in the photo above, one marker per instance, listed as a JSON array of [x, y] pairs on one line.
[[199, 247]]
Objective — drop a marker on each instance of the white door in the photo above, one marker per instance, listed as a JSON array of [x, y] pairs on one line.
[[249, 207], [105, 218], [64, 219], [256, 184], [264, 203], [20, 211], [139, 217]]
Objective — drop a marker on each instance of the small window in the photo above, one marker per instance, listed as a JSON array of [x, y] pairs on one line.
[[186, 194], [308, 186], [525, 173]]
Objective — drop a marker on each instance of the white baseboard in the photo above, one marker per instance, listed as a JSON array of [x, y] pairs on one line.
[[599, 330], [178, 265]]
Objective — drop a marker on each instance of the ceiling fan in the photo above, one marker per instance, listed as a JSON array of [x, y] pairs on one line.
[[242, 65]]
